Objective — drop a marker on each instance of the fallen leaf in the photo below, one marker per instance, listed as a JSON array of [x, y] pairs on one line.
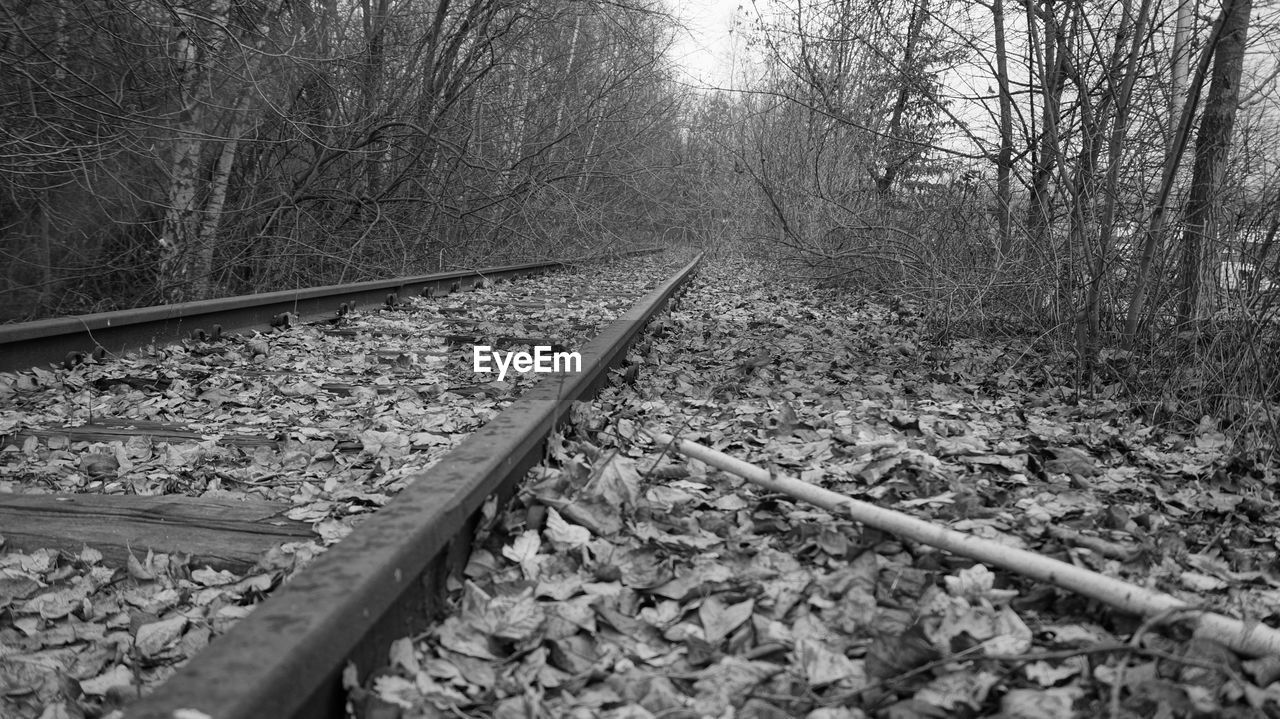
[[822, 666], [524, 550], [720, 619], [117, 676], [558, 531], [153, 638]]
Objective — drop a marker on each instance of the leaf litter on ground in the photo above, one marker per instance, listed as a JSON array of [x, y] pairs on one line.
[[627, 581], [354, 419]]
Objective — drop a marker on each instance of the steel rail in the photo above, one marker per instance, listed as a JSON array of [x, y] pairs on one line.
[[385, 580], [38, 343]]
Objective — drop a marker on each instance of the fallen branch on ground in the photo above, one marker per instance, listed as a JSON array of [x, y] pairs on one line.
[[1251, 638]]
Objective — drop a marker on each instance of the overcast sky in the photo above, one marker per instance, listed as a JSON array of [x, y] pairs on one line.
[[704, 50]]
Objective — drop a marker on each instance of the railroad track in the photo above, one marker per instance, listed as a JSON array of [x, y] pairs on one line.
[[71, 340], [383, 580]]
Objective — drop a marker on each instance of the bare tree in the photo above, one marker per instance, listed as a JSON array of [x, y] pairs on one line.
[[187, 149], [1200, 246], [1004, 156]]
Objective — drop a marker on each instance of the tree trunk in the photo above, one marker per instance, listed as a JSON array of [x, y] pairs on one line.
[[375, 14], [893, 163], [1052, 81], [1181, 62], [1173, 157], [1200, 250], [1115, 149], [1004, 159], [202, 262], [44, 262], [568, 73], [181, 218], [588, 158]]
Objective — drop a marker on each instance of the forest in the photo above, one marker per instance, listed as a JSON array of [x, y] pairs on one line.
[[1099, 176], [955, 390]]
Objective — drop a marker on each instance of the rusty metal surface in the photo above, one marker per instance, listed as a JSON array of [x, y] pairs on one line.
[[39, 343], [379, 583]]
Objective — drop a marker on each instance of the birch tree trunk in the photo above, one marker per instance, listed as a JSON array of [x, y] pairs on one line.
[[569, 69], [180, 229], [589, 157], [202, 269], [1181, 62], [44, 259]]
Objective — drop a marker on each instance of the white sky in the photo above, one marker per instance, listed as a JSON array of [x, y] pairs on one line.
[[704, 51]]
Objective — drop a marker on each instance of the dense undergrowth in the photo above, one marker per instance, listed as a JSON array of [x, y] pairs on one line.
[[1226, 373]]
